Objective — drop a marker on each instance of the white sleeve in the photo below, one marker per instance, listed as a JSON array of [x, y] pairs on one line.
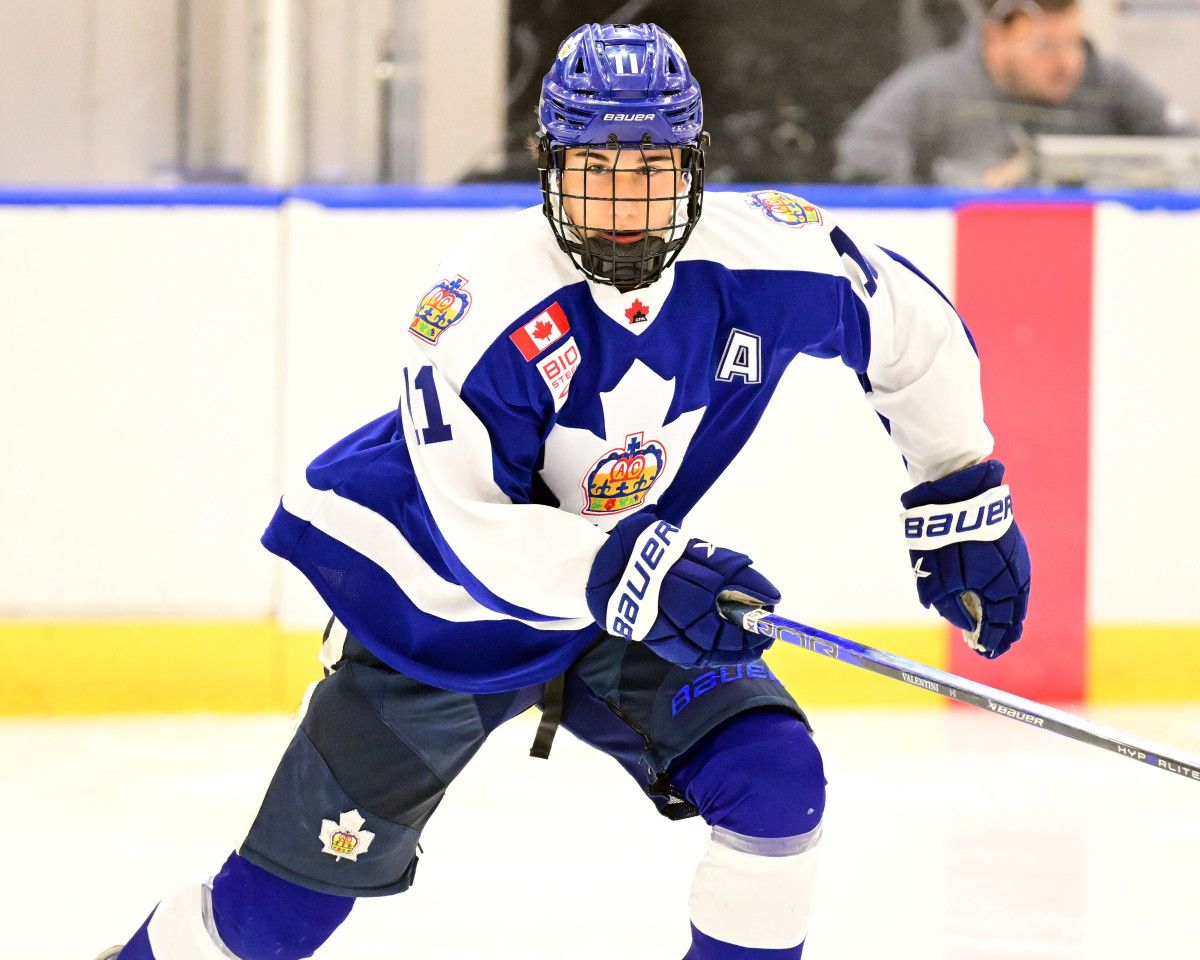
[[923, 370], [534, 557]]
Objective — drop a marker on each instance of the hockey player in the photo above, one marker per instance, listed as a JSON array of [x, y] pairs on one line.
[[511, 536]]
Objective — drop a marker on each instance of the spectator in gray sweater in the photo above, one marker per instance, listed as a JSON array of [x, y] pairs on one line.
[[965, 115]]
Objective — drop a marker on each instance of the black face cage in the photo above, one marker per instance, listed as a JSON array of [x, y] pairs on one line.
[[596, 248]]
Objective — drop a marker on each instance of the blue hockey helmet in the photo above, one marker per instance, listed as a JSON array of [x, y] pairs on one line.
[[621, 82], [622, 88]]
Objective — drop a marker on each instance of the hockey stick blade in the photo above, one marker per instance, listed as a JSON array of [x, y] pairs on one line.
[[1030, 712]]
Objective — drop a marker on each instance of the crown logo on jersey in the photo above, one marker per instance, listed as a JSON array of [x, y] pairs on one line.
[[346, 838], [638, 313], [784, 207], [445, 303], [621, 479]]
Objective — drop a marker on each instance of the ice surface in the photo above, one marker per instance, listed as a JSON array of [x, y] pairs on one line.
[[949, 834]]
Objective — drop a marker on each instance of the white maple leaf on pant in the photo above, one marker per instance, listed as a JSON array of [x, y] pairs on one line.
[[345, 839]]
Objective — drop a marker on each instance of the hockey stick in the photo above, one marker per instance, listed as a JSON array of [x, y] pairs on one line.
[[1010, 705]]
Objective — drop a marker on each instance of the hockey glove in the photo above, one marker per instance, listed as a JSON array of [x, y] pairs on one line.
[[968, 556], [650, 582]]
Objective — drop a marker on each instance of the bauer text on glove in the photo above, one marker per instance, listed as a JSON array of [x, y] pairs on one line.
[[653, 583], [969, 557]]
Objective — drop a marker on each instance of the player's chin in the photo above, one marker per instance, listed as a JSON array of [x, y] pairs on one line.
[[620, 238]]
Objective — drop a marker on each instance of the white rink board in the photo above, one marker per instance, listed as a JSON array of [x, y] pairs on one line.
[[165, 370], [1145, 457], [138, 390]]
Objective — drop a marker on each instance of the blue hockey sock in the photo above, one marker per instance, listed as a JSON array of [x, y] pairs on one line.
[[255, 915], [706, 948], [759, 781], [138, 947], [260, 916]]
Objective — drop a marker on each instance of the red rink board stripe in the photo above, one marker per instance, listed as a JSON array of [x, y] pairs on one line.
[[1024, 287]]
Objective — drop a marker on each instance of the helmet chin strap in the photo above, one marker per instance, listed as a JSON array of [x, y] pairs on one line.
[[626, 268]]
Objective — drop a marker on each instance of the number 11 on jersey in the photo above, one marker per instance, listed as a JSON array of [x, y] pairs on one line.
[[436, 429]]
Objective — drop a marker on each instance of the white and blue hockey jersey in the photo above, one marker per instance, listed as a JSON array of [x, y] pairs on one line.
[[454, 538]]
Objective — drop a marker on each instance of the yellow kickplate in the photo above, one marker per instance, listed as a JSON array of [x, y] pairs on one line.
[[153, 667], [819, 681], [1130, 663], [67, 667]]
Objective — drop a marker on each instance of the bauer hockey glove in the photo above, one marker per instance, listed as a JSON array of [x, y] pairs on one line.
[[653, 583], [968, 556]]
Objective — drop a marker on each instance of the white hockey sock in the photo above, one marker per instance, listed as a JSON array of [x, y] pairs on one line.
[[182, 928], [755, 892]]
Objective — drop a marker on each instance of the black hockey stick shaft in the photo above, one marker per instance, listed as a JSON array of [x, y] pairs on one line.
[[1030, 712]]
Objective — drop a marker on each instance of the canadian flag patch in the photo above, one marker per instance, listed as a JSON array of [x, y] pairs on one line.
[[544, 330]]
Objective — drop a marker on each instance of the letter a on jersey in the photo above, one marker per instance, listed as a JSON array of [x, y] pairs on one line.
[[742, 358]]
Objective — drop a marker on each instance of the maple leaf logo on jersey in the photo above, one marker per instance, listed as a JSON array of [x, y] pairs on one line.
[[638, 312], [542, 330], [604, 469], [346, 838]]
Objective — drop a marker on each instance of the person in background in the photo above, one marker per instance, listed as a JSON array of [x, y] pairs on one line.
[[965, 115]]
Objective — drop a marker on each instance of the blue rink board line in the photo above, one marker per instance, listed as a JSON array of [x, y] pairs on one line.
[[501, 195]]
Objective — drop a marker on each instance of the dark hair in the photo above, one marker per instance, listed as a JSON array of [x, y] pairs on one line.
[[1005, 11]]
